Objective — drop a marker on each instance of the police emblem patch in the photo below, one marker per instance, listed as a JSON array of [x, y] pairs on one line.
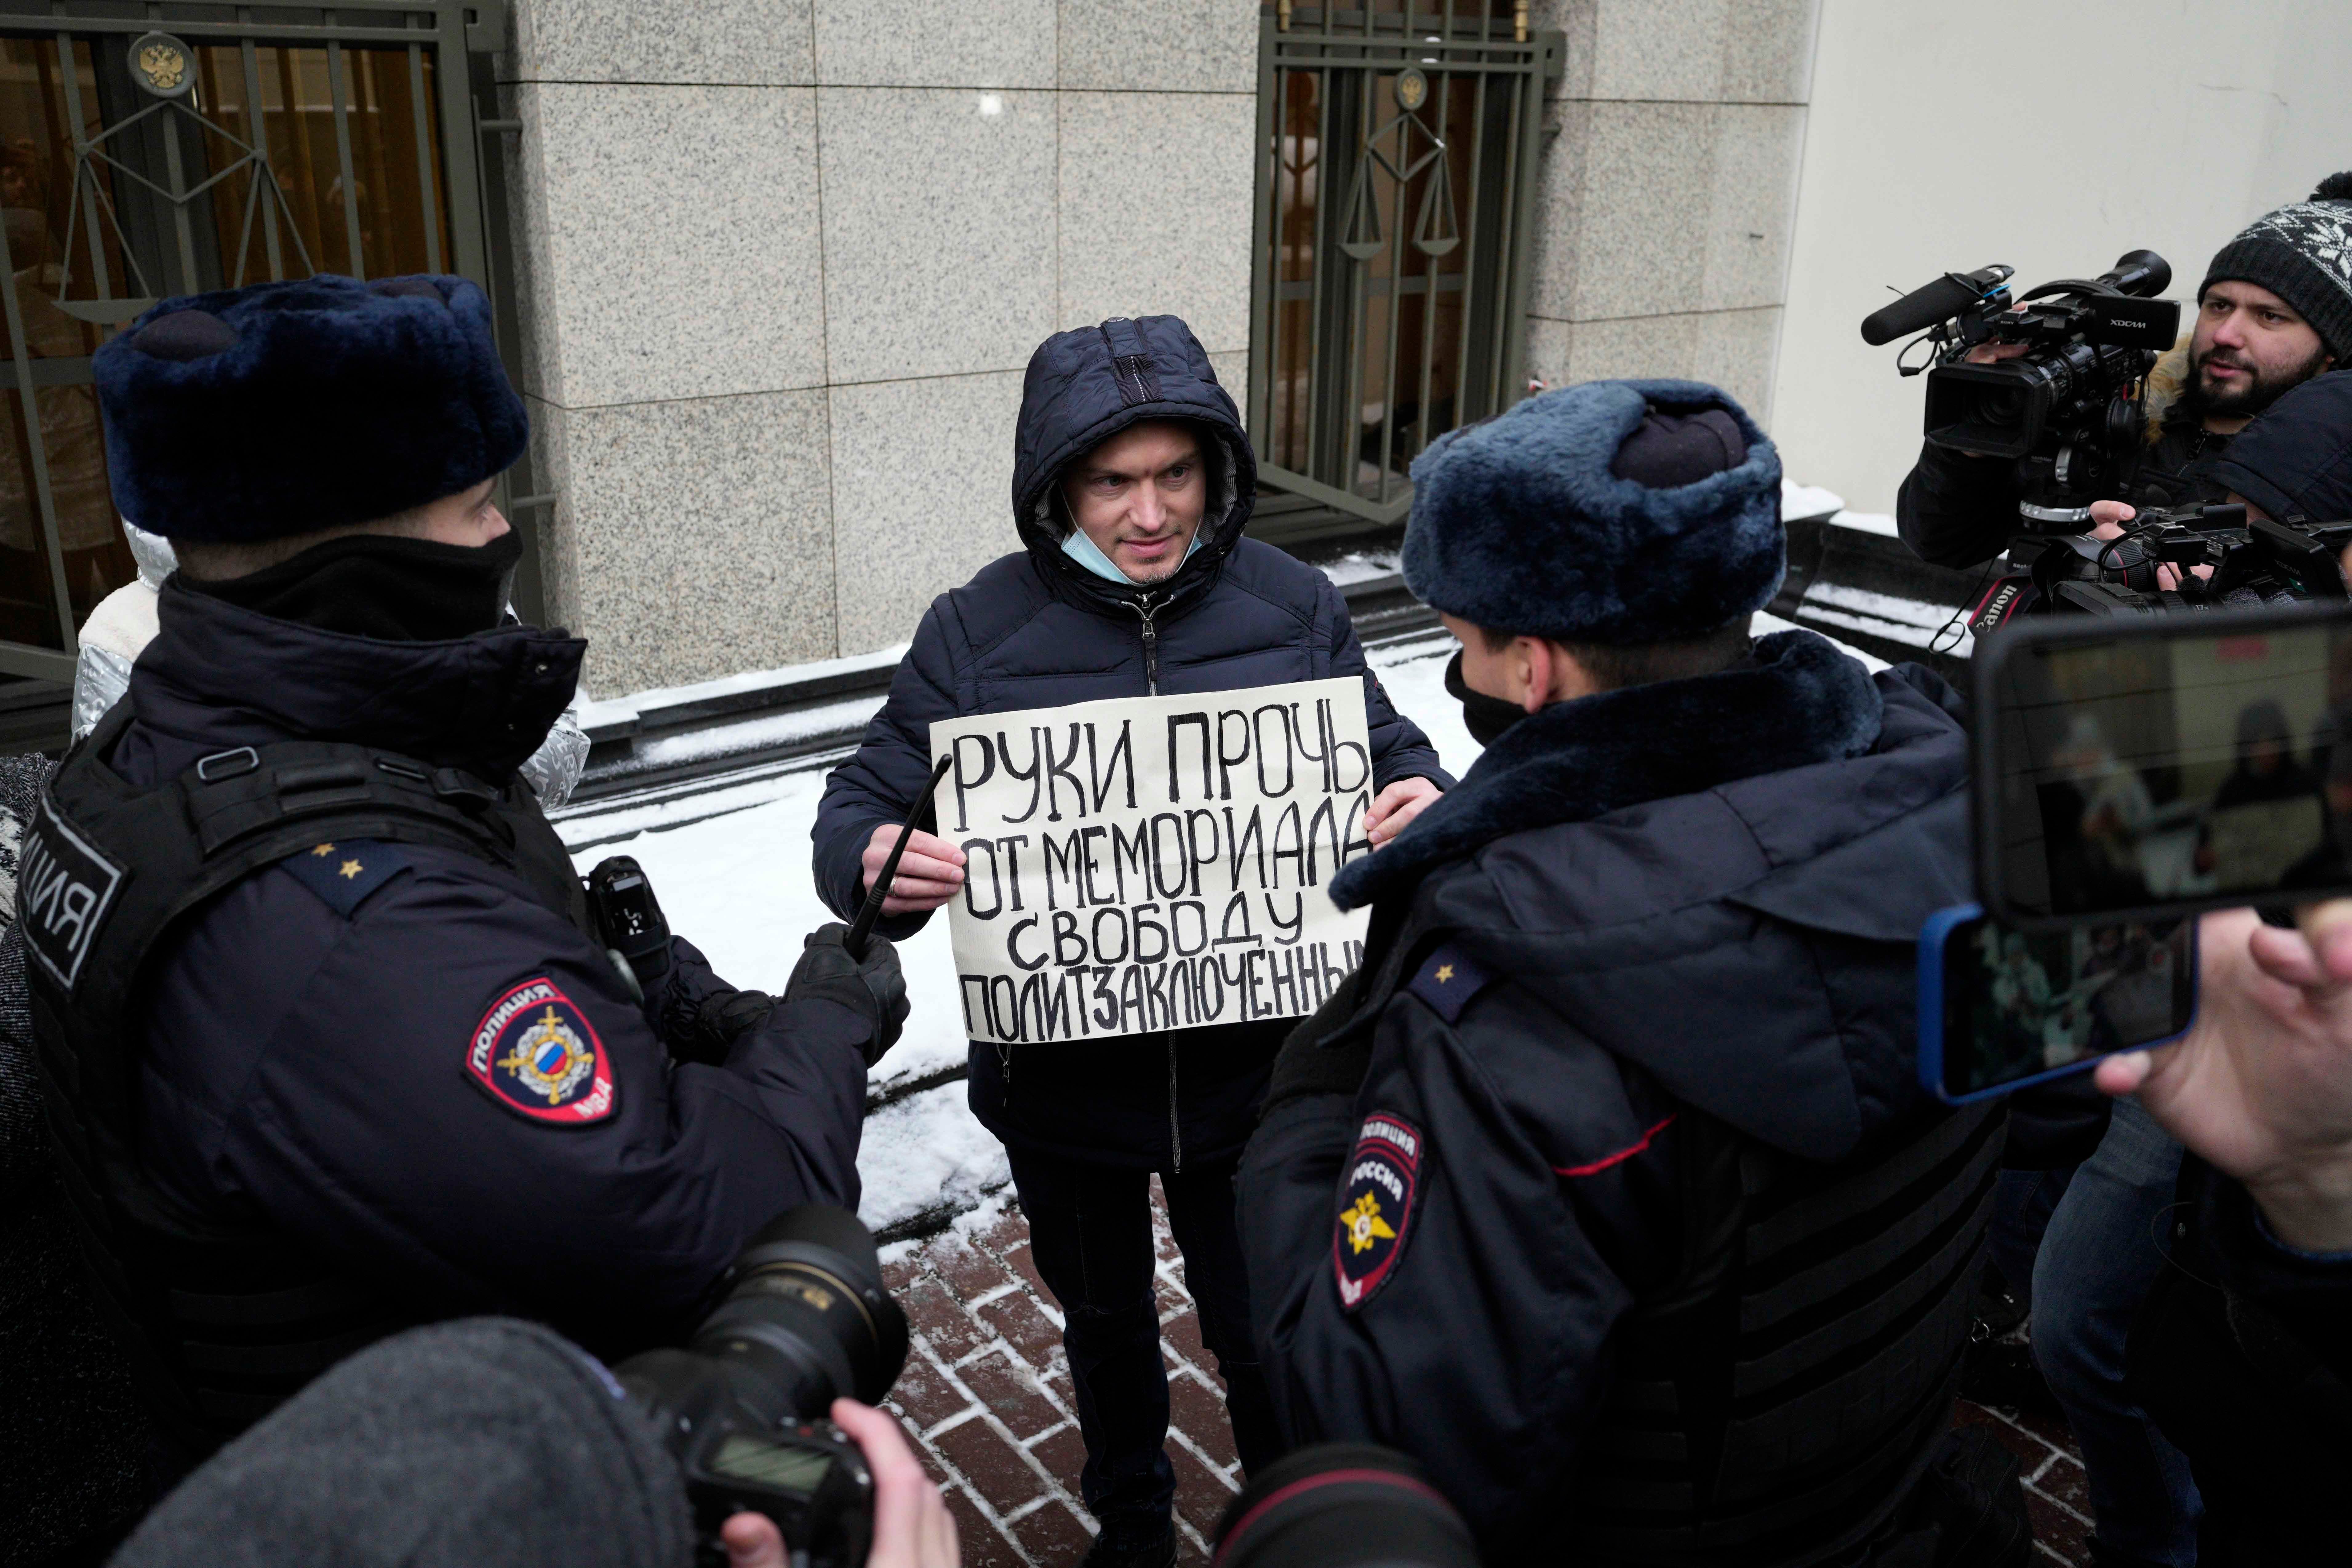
[[535, 1053], [1375, 1205]]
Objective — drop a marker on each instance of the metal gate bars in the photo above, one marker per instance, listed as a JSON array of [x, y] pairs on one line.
[[1396, 175], [159, 149]]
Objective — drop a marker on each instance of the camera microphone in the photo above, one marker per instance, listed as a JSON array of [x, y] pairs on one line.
[[2139, 273], [1922, 308]]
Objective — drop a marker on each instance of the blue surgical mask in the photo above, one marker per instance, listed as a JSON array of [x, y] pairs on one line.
[[1089, 554]]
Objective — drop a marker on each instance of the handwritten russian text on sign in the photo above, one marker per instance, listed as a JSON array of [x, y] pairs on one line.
[[1155, 862]]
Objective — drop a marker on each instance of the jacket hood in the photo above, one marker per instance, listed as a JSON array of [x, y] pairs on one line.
[[2295, 459], [219, 676], [1087, 384], [1614, 856]]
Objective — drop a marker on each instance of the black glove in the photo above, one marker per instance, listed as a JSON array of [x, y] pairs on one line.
[[875, 987], [710, 1035]]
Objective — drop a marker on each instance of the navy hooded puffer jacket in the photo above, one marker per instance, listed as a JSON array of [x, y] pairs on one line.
[[1034, 629]]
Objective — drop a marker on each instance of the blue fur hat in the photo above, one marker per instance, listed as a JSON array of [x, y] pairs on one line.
[[256, 413], [1520, 525]]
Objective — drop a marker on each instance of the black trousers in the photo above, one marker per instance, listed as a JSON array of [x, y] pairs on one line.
[[1090, 1231]]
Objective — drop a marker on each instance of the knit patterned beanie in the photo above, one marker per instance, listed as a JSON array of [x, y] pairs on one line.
[[2302, 253]]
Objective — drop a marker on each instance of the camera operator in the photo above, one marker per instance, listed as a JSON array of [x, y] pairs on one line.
[[2275, 310], [490, 1443], [1633, 1036], [2242, 1352], [2096, 1262], [332, 1046]]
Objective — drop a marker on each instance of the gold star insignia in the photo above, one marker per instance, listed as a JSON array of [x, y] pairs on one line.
[[1365, 1227], [323, 850], [1445, 973], [351, 868]]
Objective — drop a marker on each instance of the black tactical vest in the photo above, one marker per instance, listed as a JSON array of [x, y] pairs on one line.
[[1779, 1400], [222, 1318]]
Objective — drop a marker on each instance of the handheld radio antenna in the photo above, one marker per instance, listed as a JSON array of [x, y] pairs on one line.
[[862, 927]]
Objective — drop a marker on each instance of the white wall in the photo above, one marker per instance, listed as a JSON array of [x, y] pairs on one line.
[[2052, 136]]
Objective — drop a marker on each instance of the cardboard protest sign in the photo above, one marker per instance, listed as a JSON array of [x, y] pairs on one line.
[[1154, 862]]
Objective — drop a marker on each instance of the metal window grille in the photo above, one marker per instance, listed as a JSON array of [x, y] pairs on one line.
[[1396, 175], [151, 149]]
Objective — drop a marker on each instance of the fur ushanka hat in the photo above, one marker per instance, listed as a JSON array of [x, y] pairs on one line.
[[252, 414], [1527, 523]]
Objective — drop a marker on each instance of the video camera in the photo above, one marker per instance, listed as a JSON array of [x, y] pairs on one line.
[[2254, 561], [806, 1321], [2069, 411]]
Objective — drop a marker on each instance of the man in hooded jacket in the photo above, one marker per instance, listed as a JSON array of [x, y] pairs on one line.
[[1133, 480], [1605, 1187]]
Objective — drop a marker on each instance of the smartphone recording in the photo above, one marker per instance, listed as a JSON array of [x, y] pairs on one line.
[[2000, 1008], [2138, 768]]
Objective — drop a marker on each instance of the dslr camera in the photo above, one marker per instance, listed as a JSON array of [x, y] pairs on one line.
[[743, 1406], [2069, 412]]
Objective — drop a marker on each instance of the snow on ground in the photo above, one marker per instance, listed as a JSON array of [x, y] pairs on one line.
[[1807, 501], [738, 886]]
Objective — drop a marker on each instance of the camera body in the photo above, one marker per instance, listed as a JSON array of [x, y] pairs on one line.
[[2252, 561], [2068, 413], [804, 1321]]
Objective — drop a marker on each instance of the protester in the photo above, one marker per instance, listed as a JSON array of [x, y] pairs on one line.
[[381, 1071], [2274, 310], [1133, 481], [1647, 1243]]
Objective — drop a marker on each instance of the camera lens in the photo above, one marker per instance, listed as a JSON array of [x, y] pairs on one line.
[[2002, 405], [1342, 1505], [806, 1321]]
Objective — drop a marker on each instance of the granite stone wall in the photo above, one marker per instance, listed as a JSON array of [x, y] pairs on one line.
[[781, 263], [1669, 189]]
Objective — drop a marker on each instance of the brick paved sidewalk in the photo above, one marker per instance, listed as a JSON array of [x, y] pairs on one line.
[[987, 1394]]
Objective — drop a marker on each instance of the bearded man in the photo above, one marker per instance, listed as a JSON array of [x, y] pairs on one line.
[[2275, 310]]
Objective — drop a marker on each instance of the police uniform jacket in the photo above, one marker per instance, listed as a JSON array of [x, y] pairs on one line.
[[1655, 938], [396, 1055], [1034, 629]]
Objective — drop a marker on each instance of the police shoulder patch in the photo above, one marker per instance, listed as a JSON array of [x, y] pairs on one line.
[[345, 871], [1376, 1202], [65, 891], [1447, 981], [535, 1053]]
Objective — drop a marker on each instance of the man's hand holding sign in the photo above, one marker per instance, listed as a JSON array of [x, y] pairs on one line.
[[932, 871]]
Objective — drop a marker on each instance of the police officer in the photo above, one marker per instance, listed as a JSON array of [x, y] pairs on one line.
[[1606, 1189], [330, 1045]]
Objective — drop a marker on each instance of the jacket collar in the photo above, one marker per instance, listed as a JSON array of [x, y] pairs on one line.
[[218, 675], [1798, 701]]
